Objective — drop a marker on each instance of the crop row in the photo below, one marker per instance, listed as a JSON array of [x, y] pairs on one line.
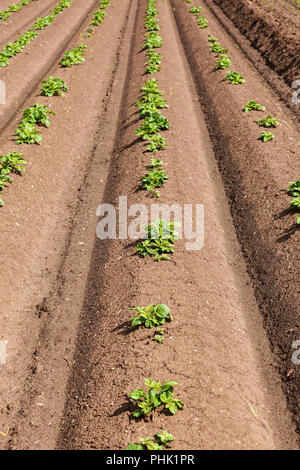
[[38, 115], [160, 237], [14, 48], [13, 8], [235, 78]]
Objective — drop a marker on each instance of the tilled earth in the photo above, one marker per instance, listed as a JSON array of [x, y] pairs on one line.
[[72, 357]]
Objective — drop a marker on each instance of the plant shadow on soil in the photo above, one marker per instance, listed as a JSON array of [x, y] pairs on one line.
[[125, 147], [288, 232], [125, 328]]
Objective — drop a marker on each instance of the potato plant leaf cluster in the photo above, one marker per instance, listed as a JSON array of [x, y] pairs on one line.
[[154, 122], [74, 56], [294, 191], [253, 106], [160, 241], [235, 78], [151, 315], [158, 442], [38, 114], [266, 136], [158, 395], [53, 87], [13, 162], [269, 121], [155, 178]]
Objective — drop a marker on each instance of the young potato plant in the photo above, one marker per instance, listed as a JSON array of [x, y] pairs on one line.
[[37, 114], [202, 22], [13, 162], [160, 241], [151, 87], [151, 316], [157, 142], [218, 49], [149, 103], [294, 190], [158, 395], [223, 63], [195, 10], [151, 24], [155, 162], [74, 56], [235, 78], [151, 10], [152, 124], [266, 136], [153, 62], [269, 121], [253, 106], [159, 337], [154, 179], [98, 17], [157, 442], [26, 132], [153, 41], [212, 40], [53, 87]]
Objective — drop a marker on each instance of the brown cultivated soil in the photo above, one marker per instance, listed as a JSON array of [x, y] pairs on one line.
[[270, 35], [72, 355], [272, 28]]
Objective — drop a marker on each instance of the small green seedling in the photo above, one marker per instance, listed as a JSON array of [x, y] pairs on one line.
[[153, 63], [13, 162], [27, 134], [75, 56], [212, 40], [159, 336], [157, 142], [152, 124], [151, 86], [155, 162], [218, 49], [294, 190], [158, 395], [151, 315], [53, 87], [150, 103], [151, 24], [223, 63], [157, 442], [153, 40], [235, 78], [37, 114], [195, 10], [154, 179], [160, 241], [202, 22], [253, 106], [266, 136], [269, 121]]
